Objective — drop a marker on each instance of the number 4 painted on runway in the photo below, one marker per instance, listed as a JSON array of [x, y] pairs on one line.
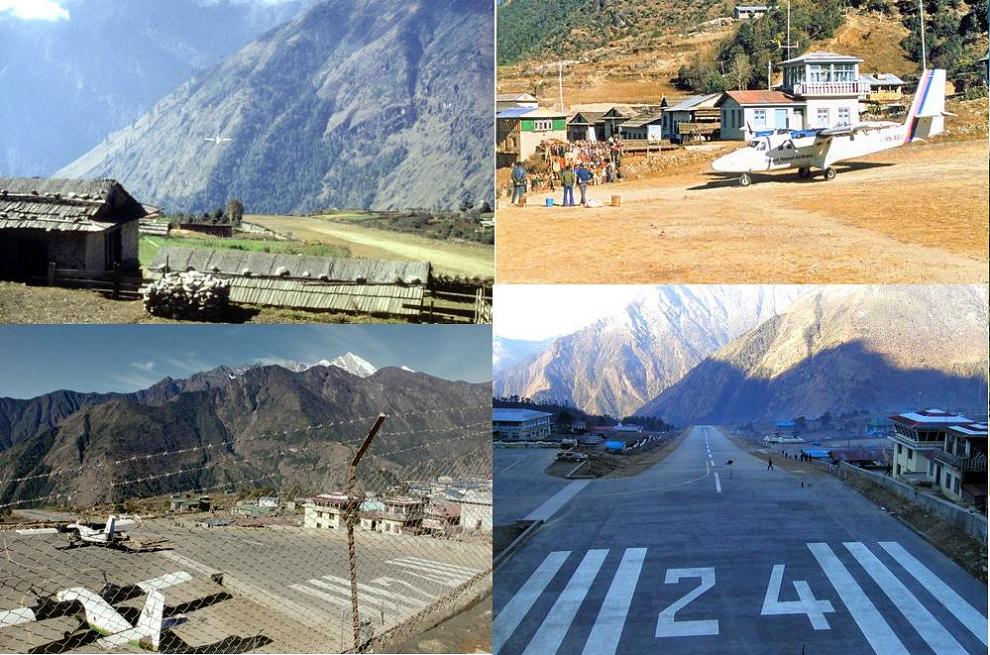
[[807, 603]]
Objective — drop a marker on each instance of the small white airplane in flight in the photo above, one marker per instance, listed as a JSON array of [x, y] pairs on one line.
[[822, 147], [217, 139], [103, 619]]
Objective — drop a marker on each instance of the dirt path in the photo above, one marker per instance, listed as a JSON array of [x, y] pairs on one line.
[[451, 258], [917, 214]]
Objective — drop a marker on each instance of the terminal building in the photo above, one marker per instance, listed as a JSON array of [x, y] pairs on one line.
[[946, 450], [516, 424]]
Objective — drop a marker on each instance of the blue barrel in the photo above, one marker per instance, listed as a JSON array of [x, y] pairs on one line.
[[549, 202]]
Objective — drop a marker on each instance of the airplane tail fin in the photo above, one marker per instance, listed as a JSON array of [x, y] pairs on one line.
[[150, 622], [926, 117], [111, 524]]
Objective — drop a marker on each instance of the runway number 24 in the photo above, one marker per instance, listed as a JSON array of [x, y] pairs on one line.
[[807, 604]]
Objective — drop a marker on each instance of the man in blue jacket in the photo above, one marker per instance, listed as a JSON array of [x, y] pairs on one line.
[[583, 177], [518, 182]]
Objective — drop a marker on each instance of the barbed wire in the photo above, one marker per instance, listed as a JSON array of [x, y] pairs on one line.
[[238, 442], [114, 484]]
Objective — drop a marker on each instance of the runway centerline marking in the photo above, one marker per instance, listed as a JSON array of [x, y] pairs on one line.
[[718, 484]]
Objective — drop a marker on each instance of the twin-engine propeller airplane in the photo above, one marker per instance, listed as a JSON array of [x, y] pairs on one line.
[[823, 147], [99, 618]]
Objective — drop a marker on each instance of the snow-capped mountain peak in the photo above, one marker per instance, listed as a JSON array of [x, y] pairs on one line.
[[352, 364]]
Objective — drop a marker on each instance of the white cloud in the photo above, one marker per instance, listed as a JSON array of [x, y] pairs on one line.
[[148, 367], [51, 10]]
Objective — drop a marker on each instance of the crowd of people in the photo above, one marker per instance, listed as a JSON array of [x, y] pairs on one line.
[[564, 165]]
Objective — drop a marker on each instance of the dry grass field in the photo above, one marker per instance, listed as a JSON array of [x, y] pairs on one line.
[[915, 214]]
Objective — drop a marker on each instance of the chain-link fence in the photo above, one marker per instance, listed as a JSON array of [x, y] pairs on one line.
[[369, 528]]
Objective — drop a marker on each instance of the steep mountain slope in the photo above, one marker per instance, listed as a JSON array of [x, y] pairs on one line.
[[619, 363], [363, 103], [268, 426], [507, 353], [65, 89], [869, 348]]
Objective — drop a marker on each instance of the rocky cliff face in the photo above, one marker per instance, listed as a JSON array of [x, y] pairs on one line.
[[266, 423], [356, 103], [65, 89], [619, 363], [842, 348]]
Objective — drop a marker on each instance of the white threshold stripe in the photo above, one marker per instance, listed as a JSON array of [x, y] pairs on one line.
[[375, 591], [447, 578], [968, 615], [518, 607], [605, 634], [873, 626], [718, 484], [367, 603], [453, 567], [553, 504], [439, 568], [558, 620], [432, 577], [920, 618], [340, 602]]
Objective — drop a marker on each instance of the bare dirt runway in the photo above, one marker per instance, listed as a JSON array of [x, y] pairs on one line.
[[915, 214]]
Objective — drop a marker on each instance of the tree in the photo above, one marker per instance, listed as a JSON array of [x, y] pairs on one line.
[[235, 211], [740, 71]]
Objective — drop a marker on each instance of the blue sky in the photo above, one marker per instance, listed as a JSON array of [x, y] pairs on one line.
[[37, 359]]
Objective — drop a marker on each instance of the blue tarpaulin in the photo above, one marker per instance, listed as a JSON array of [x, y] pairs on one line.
[[615, 445]]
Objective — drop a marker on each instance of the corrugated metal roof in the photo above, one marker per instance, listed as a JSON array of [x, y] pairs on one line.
[[529, 112], [303, 267], [821, 55], [514, 414], [640, 121], [758, 98], [691, 102]]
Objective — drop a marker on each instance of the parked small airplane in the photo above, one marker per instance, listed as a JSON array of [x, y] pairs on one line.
[[90, 534], [820, 148], [217, 139], [101, 618]]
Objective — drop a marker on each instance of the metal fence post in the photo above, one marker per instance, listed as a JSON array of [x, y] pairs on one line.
[[353, 505]]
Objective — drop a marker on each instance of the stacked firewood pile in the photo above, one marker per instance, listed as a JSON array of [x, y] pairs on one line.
[[188, 295]]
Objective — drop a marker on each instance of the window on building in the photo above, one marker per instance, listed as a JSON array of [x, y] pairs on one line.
[[897, 469], [931, 468], [956, 486], [948, 480], [899, 448], [543, 125], [910, 454], [760, 116], [844, 73], [822, 116], [844, 116]]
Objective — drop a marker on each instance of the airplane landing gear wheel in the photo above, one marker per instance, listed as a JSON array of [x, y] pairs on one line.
[[745, 180], [829, 173], [804, 173]]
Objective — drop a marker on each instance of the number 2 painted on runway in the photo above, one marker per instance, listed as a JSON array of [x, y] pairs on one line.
[[667, 626]]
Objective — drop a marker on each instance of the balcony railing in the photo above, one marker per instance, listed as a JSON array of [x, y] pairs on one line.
[[922, 444], [977, 463], [831, 88]]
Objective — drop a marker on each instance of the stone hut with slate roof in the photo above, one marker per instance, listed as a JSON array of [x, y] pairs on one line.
[[86, 226]]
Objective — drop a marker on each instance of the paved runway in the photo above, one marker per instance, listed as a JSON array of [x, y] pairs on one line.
[[699, 556], [520, 484], [290, 585]]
